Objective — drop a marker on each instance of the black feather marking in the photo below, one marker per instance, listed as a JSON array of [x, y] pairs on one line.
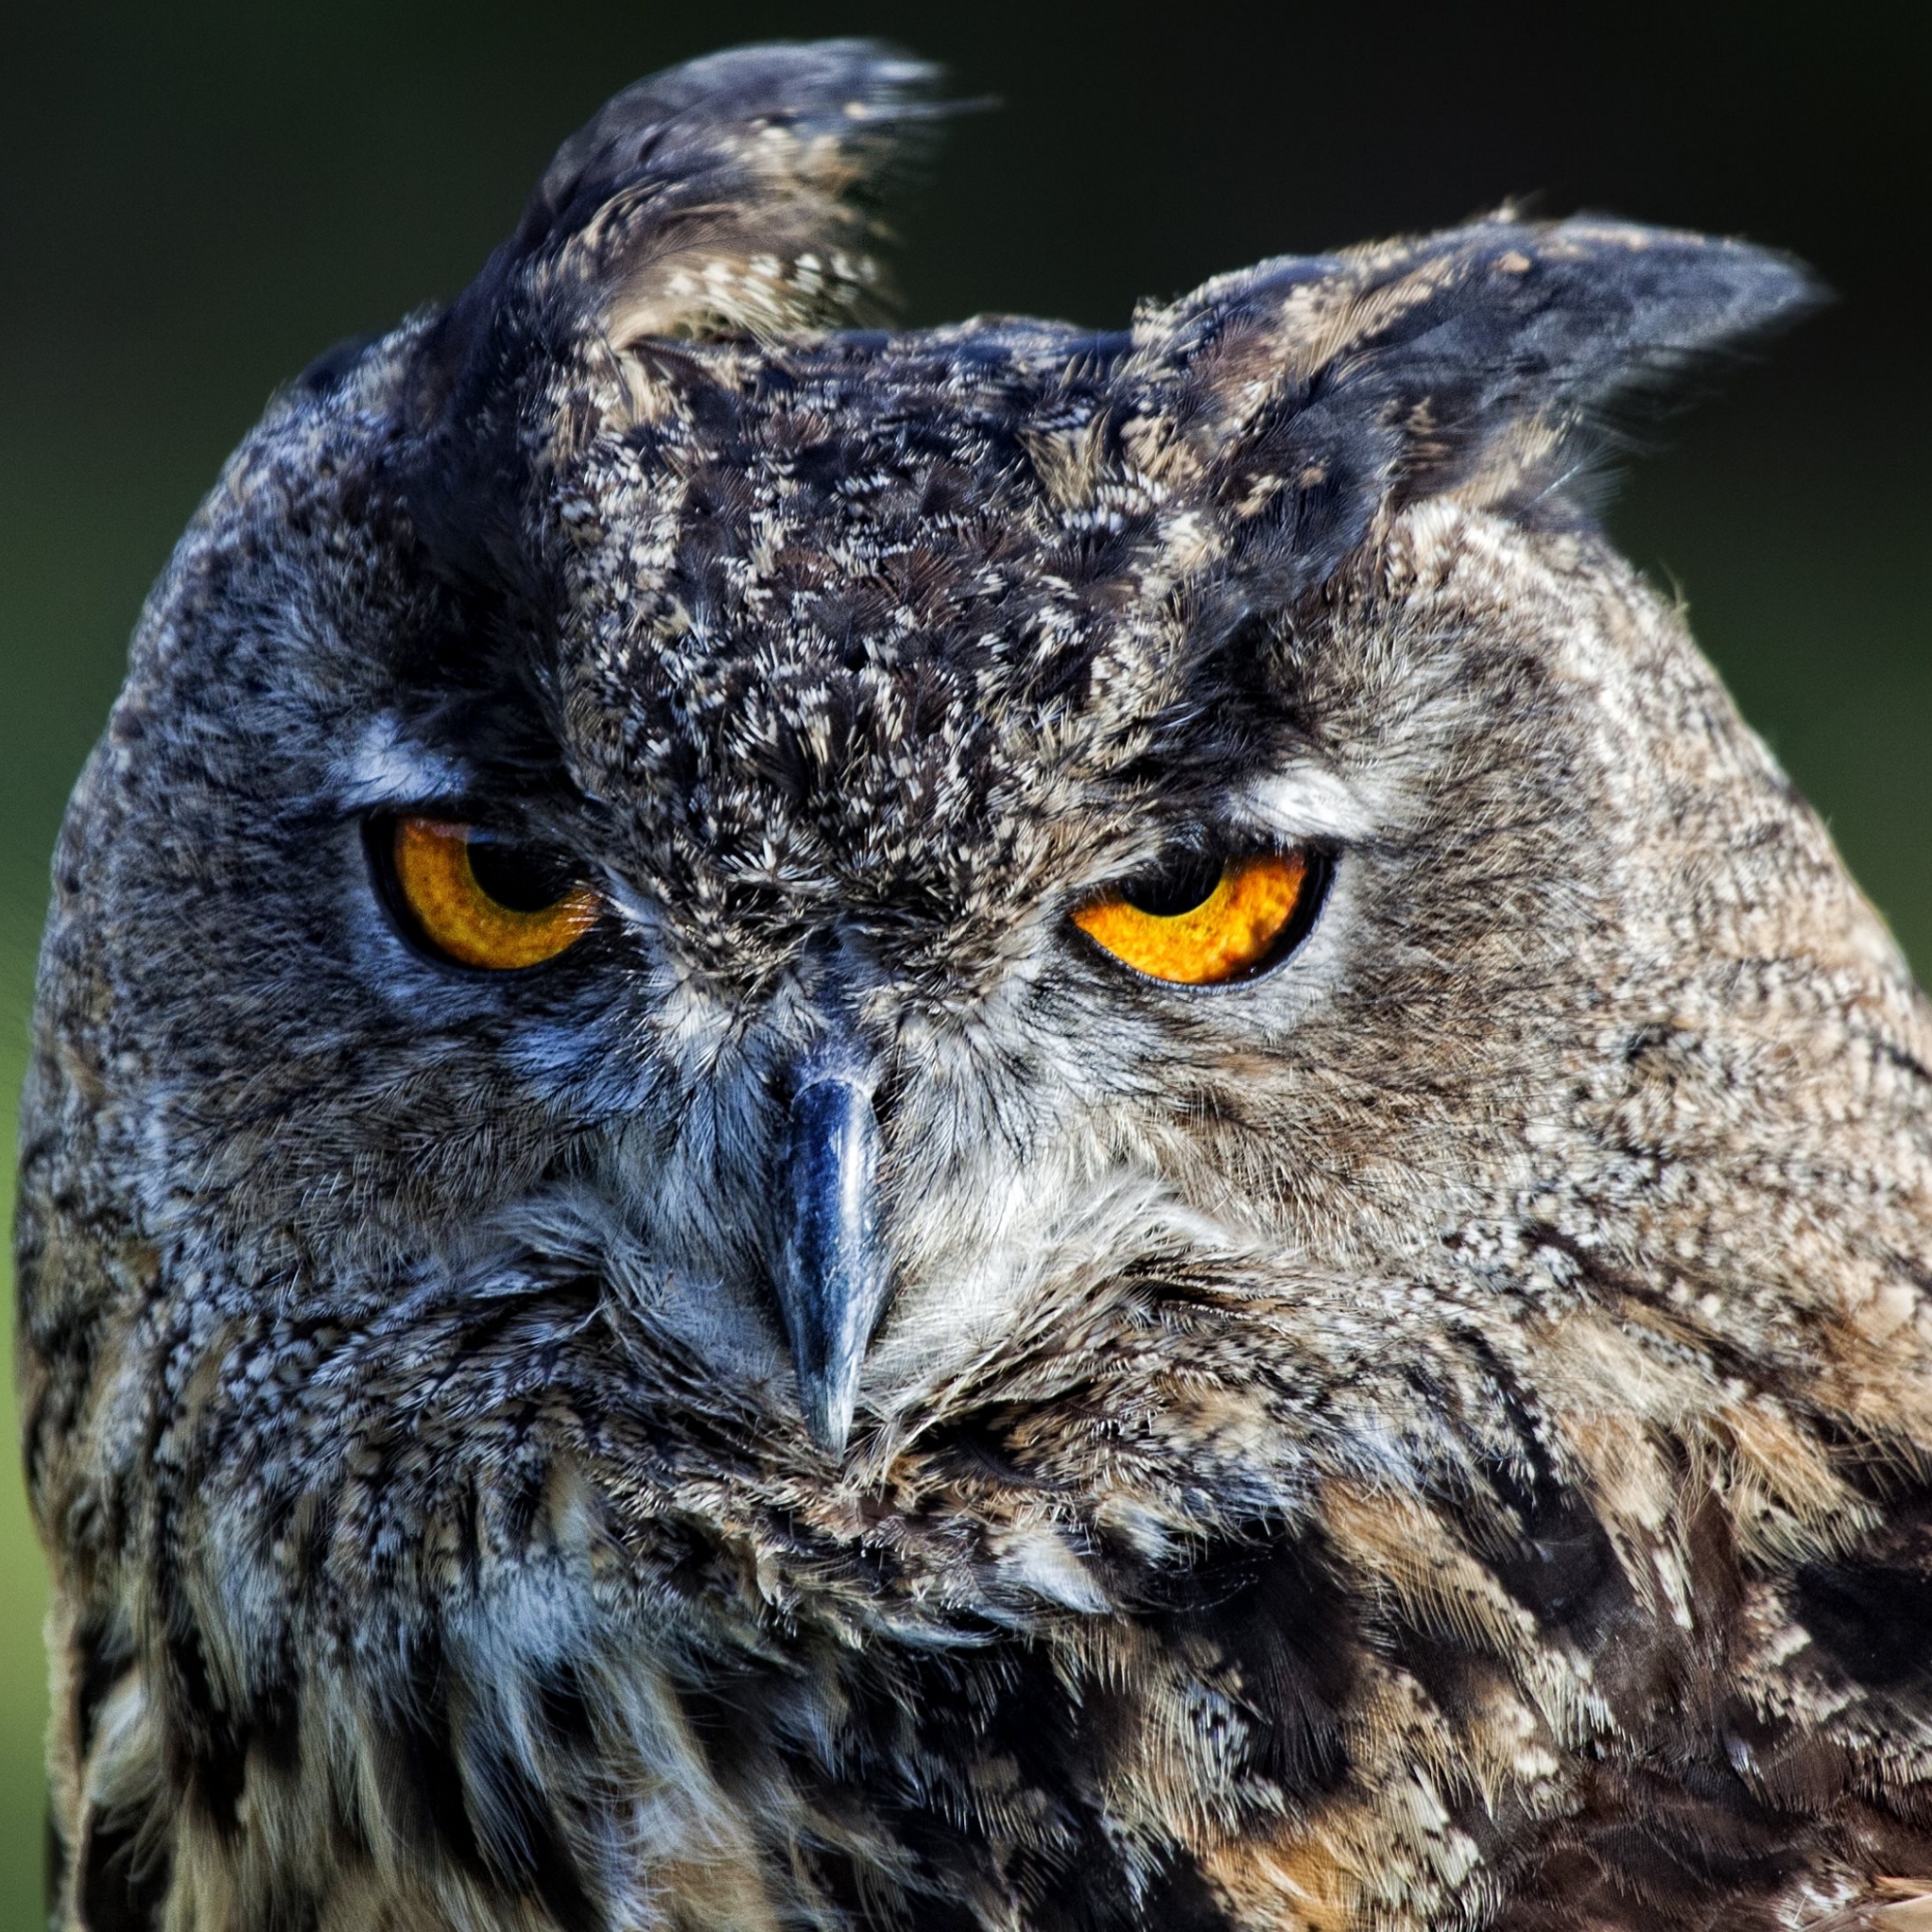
[[212, 1742], [983, 1771], [1181, 1899], [100, 1660], [1563, 1570], [424, 1790], [1872, 1620], [124, 1879], [1283, 1643], [564, 1706], [1663, 1851], [518, 1833], [1289, 1642], [468, 1803]]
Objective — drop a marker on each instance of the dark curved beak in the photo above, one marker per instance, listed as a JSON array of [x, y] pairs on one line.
[[831, 1274]]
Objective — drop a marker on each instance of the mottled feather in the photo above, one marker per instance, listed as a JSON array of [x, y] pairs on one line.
[[1430, 1436]]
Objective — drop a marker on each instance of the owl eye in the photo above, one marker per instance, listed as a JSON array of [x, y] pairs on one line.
[[484, 901], [1206, 922]]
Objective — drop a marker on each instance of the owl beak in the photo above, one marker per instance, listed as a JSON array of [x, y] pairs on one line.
[[831, 1274]]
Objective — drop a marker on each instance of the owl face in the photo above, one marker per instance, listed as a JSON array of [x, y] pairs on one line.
[[846, 840], [902, 789]]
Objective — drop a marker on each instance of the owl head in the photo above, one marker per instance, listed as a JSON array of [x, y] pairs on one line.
[[740, 992], [856, 850]]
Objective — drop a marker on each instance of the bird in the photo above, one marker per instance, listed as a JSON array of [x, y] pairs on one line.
[[1008, 1128]]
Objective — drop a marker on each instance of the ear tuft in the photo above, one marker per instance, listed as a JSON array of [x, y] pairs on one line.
[[734, 195], [1492, 361]]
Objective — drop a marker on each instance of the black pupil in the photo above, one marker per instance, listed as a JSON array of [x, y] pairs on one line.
[[1177, 889], [515, 876]]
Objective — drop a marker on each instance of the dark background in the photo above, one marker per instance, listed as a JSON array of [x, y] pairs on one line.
[[197, 199]]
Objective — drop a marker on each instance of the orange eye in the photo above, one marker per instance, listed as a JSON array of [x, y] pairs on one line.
[[485, 902], [1220, 925]]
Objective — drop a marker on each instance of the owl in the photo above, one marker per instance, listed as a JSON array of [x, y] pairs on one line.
[[1007, 1128]]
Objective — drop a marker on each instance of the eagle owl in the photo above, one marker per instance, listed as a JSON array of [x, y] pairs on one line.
[[997, 1129]]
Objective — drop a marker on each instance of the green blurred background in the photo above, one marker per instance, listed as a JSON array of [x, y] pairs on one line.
[[197, 199]]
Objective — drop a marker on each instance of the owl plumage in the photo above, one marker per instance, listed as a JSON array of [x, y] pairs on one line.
[[1429, 1432]]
